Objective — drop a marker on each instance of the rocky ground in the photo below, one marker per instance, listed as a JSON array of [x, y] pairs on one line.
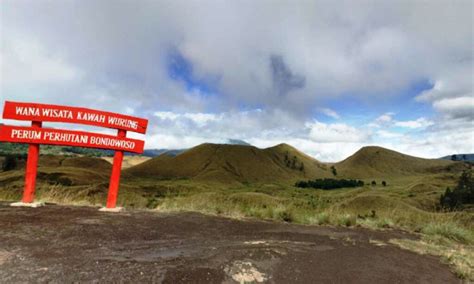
[[62, 244]]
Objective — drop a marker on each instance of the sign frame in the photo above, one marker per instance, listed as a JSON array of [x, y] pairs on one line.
[[38, 113], [78, 115], [52, 136]]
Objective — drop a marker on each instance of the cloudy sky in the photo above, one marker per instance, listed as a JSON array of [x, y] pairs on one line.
[[327, 77]]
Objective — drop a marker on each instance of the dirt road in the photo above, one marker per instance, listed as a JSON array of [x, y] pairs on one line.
[[80, 244]]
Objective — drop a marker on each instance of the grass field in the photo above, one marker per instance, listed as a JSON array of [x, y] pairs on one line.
[[408, 203]]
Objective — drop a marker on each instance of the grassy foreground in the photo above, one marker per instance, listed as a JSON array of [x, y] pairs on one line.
[[405, 203]]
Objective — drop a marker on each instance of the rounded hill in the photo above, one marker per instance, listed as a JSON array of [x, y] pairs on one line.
[[373, 161], [234, 163]]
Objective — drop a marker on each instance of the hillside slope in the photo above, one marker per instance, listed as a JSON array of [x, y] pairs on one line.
[[62, 170], [375, 161], [234, 163]]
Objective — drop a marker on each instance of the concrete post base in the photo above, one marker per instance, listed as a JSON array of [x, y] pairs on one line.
[[23, 204], [116, 209]]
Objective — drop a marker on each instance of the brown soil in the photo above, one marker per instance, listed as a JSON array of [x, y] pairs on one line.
[[80, 244]]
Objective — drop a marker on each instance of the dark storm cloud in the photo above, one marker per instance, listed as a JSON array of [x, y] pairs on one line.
[[284, 81]]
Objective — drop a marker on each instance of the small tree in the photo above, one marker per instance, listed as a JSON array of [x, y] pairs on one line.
[[384, 183], [9, 163], [302, 167], [293, 163], [333, 170], [461, 195], [374, 183]]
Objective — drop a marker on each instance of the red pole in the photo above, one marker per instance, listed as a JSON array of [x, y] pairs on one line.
[[31, 169], [115, 177]]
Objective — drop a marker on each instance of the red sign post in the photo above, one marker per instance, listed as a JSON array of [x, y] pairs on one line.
[[36, 135]]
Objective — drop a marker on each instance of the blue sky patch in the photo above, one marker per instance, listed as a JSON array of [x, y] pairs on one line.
[[181, 69]]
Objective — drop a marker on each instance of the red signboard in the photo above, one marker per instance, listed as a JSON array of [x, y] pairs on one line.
[[55, 113], [51, 136], [36, 135]]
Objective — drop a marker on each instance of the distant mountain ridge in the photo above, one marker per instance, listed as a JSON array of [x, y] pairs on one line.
[[237, 142], [459, 157]]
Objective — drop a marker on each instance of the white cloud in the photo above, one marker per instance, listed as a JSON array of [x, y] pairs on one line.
[[418, 123], [335, 132], [452, 94], [445, 139], [387, 120], [456, 107], [166, 115], [330, 112], [384, 134], [201, 119], [383, 120], [25, 62], [324, 151], [167, 141]]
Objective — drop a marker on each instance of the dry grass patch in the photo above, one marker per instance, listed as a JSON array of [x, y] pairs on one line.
[[449, 230], [459, 256]]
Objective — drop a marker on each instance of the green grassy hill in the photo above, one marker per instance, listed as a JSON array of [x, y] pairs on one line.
[[283, 163], [226, 163], [62, 170], [22, 149], [378, 162], [233, 163]]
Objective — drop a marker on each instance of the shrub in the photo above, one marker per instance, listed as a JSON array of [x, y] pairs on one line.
[[320, 219], [384, 183], [9, 163], [384, 223], [152, 203], [347, 220], [329, 183], [286, 216], [302, 167], [373, 183], [65, 181], [333, 170]]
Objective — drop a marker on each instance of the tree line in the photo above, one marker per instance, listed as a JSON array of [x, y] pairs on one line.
[[329, 183]]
